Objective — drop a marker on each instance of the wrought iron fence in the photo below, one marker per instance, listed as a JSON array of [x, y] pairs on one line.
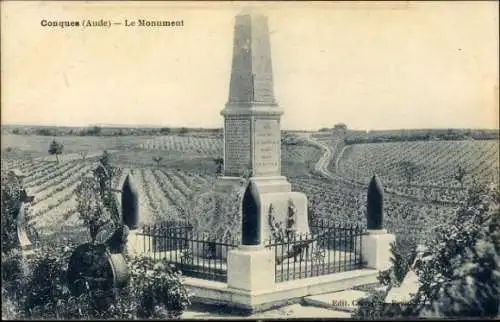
[[329, 248], [196, 255]]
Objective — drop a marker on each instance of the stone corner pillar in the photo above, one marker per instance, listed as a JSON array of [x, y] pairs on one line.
[[135, 242], [376, 249], [376, 244], [251, 268]]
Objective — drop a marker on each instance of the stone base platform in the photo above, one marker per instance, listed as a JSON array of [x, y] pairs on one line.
[[334, 262], [281, 294]]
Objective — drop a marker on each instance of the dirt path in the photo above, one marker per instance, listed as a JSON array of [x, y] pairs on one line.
[[322, 165]]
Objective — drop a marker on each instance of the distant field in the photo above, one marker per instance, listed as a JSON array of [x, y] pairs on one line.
[[201, 145], [36, 145], [438, 161]]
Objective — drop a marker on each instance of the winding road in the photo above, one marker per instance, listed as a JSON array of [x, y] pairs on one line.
[[321, 166]]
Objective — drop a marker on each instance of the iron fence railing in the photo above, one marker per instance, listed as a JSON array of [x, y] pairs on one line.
[[196, 255], [329, 248]]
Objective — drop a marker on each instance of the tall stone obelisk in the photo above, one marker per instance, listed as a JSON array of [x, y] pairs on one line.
[[252, 136]]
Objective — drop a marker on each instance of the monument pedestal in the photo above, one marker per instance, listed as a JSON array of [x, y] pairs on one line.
[[376, 249], [264, 184], [272, 184], [226, 184], [251, 268], [280, 202]]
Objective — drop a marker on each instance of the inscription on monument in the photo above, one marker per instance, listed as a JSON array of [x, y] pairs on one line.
[[237, 146], [267, 147]]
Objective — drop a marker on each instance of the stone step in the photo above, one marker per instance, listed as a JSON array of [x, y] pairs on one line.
[[345, 301]]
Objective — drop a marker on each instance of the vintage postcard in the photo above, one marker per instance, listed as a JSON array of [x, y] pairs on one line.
[[262, 160]]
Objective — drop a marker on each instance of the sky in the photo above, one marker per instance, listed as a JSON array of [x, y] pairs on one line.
[[370, 65]]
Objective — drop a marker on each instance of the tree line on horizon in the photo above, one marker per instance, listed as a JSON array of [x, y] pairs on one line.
[[350, 136]]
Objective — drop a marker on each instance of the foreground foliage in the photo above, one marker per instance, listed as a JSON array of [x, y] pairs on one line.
[[11, 203], [404, 252], [459, 274], [36, 288]]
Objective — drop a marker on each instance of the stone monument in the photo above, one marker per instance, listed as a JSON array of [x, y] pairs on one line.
[[252, 135]]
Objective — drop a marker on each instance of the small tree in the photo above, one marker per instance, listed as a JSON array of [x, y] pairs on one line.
[[105, 161], [219, 162], [460, 175], [56, 148], [165, 131], [341, 127], [83, 154], [157, 160], [410, 170], [96, 130], [91, 207], [105, 179]]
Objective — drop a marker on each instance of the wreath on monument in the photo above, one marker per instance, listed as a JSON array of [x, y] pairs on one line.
[[291, 219], [279, 231]]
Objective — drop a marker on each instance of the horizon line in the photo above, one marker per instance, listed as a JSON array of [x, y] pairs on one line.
[[221, 127]]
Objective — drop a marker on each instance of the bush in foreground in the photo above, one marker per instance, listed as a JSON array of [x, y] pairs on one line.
[[155, 290], [404, 251], [459, 275]]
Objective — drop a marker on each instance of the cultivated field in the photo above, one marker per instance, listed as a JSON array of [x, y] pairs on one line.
[[204, 146], [187, 166], [438, 161]]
